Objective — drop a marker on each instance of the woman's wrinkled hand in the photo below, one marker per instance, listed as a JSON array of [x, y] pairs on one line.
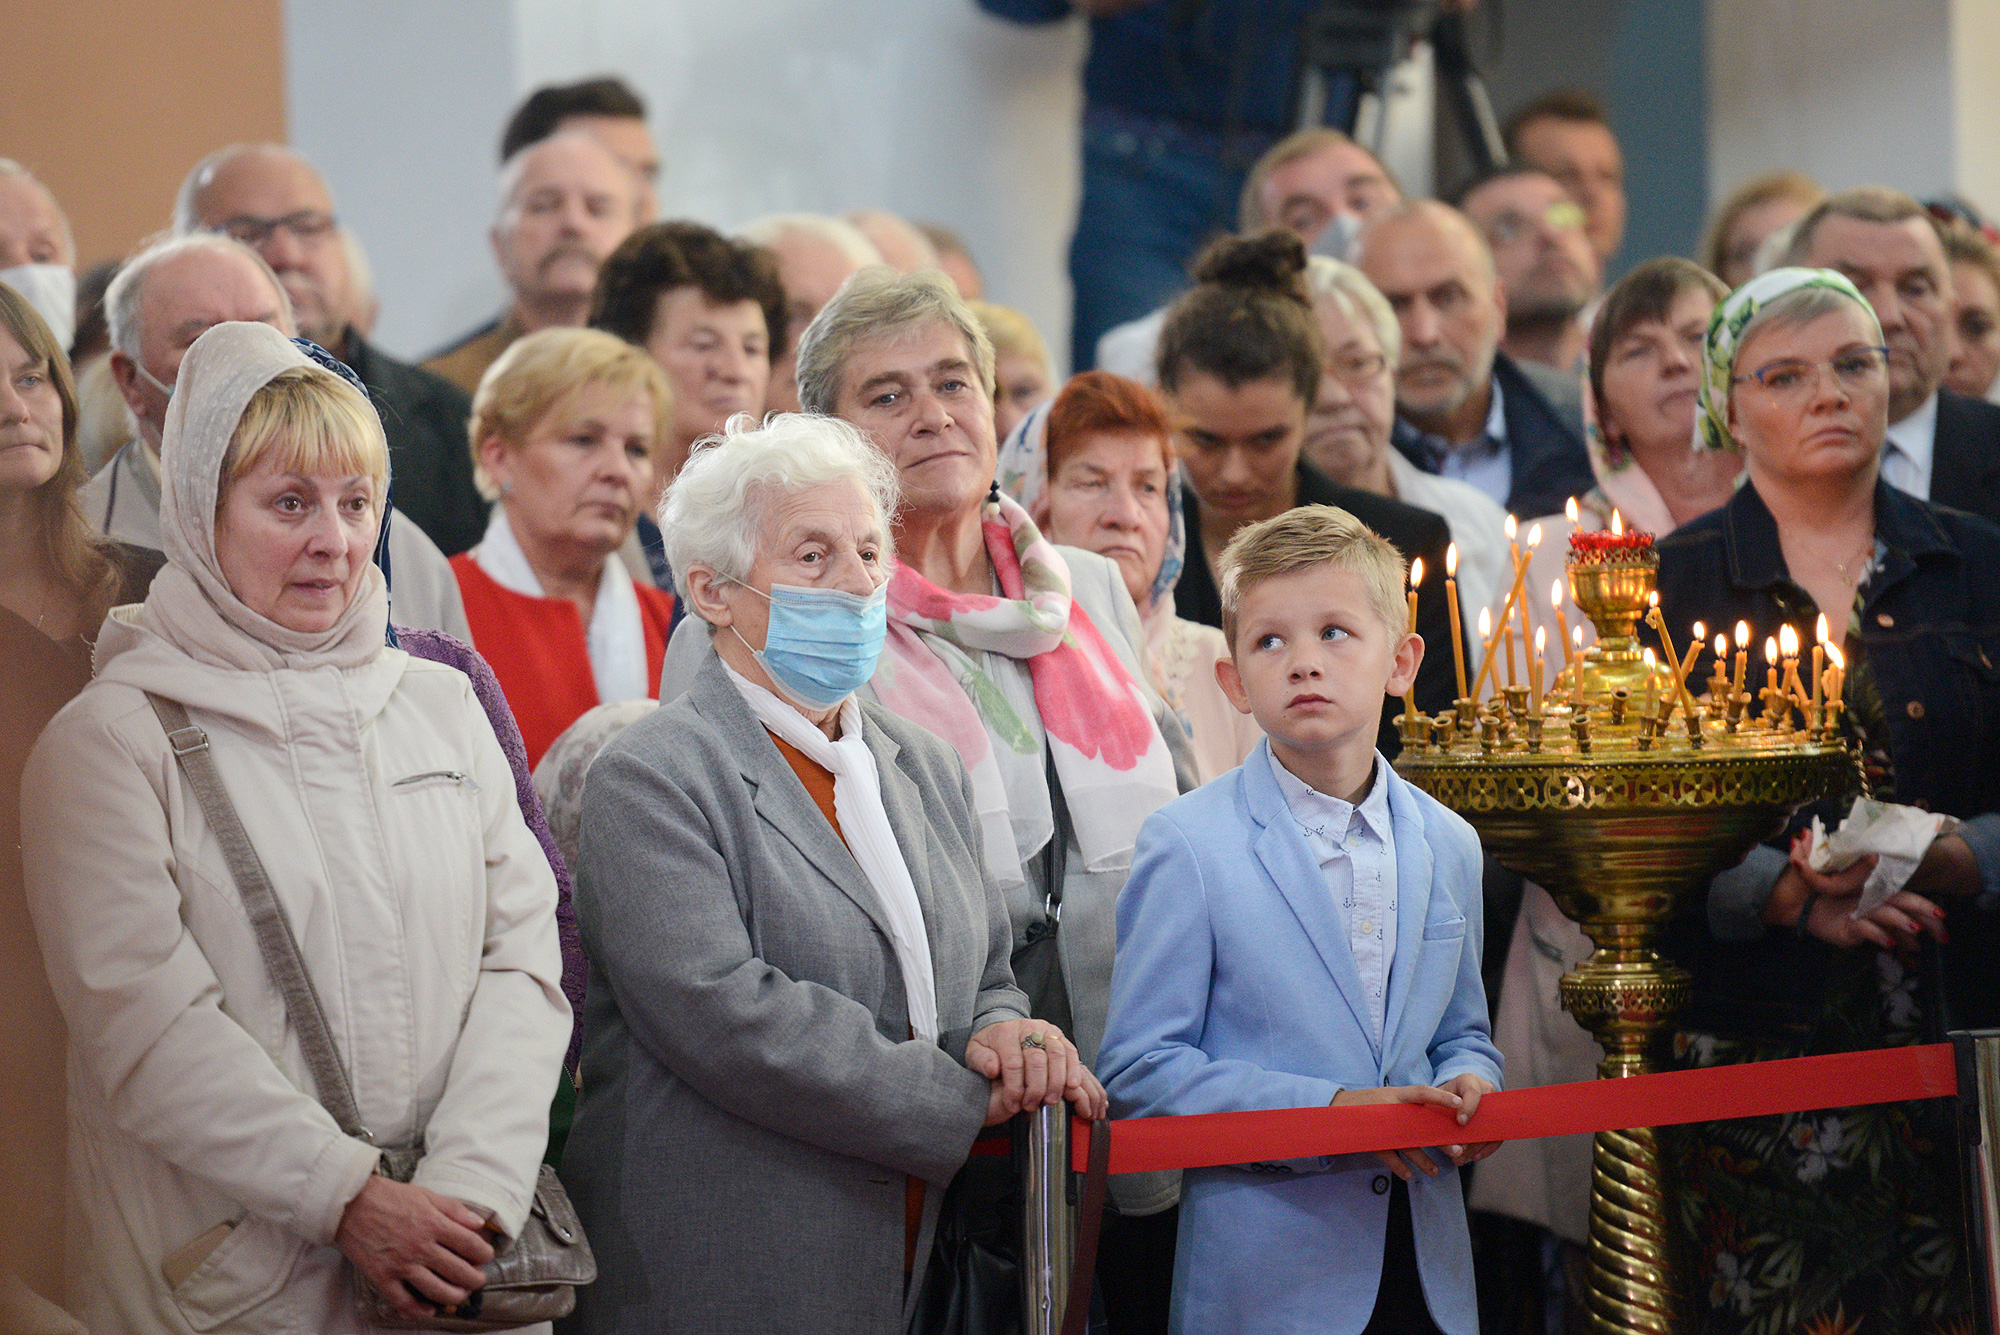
[[1028, 1077], [423, 1251]]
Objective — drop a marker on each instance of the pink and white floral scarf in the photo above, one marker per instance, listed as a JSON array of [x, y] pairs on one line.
[[1110, 759]]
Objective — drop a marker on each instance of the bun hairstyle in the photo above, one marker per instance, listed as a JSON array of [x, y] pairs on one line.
[[1248, 317]]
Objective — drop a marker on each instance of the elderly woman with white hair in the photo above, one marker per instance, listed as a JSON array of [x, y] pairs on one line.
[[1347, 431], [224, 1179], [801, 1011]]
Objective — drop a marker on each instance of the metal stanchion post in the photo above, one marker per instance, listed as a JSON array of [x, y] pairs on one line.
[[1978, 1053], [1041, 1144]]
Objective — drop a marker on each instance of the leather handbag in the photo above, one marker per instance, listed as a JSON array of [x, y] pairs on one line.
[[533, 1278]]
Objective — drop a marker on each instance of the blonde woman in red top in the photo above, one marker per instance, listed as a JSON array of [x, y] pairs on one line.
[[566, 432]]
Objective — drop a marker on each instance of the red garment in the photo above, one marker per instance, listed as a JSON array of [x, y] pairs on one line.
[[538, 651]]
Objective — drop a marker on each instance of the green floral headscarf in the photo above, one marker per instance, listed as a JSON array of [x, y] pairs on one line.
[[1725, 340]]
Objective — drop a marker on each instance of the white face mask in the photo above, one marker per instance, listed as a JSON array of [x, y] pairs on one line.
[[51, 290]]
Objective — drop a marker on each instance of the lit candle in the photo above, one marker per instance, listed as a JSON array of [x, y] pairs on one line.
[[1485, 638], [1617, 523], [1535, 672], [1569, 511], [1576, 677], [1416, 578], [1836, 690], [1819, 659], [1451, 605], [1742, 655], [1562, 622], [1652, 686], [1771, 693], [1788, 647], [1718, 682], [1679, 688], [1507, 641]]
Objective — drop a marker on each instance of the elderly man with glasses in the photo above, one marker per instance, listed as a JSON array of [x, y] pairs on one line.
[[272, 200]]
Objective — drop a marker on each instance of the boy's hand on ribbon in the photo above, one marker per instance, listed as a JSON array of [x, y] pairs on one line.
[[1405, 1164], [1470, 1089]]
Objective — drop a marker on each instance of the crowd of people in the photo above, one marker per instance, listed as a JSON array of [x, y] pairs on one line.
[[739, 722]]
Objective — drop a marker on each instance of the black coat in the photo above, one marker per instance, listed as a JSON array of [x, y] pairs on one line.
[[1965, 458], [1544, 441], [1415, 533], [430, 458], [1929, 631]]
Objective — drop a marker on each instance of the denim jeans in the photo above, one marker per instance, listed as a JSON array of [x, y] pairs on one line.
[[1153, 192]]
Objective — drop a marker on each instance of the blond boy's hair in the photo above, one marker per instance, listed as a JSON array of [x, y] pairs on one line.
[[1313, 535]]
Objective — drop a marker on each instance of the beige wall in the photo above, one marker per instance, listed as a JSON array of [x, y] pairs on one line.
[[121, 97]]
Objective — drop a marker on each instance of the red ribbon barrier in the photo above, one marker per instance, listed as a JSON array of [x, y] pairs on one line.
[[1714, 1094]]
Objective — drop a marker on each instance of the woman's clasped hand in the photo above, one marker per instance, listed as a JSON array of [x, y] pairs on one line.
[[1030, 1063]]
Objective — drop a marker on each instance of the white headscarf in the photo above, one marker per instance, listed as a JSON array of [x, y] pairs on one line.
[[190, 602]]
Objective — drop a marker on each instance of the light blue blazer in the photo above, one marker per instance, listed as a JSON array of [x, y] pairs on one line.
[[1235, 989]]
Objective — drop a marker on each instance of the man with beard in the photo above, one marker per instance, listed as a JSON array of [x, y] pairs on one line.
[[272, 200], [565, 204], [1464, 408], [1942, 446], [1550, 273]]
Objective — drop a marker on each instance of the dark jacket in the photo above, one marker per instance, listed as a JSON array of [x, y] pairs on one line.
[[1929, 631], [430, 458], [1416, 533], [1544, 415], [1965, 458]]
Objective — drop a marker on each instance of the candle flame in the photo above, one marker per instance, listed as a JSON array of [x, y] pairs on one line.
[[1771, 650], [1416, 572], [1819, 629], [1649, 659], [1510, 528], [1556, 594], [1541, 638], [1485, 623], [1569, 510], [1788, 641], [1653, 598], [1742, 635], [1700, 632], [1721, 647], [1617, 523], [1576, 634], [1534, 537], [1835, 657], [1451, 561]]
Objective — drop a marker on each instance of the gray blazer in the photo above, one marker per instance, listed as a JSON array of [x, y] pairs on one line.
[[751, 1102]]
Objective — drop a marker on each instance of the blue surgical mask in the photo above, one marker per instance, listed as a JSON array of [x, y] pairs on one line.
[[822, 644]]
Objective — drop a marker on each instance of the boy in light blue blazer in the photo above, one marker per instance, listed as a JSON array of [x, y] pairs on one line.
[[1304, 931]]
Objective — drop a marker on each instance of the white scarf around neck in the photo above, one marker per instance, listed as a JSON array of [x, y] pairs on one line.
[[616, 636], [864, 824]]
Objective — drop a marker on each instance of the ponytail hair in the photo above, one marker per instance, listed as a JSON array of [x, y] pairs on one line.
[[1248, 317]]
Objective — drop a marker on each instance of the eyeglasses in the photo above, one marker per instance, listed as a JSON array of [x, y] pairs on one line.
[[1357, 368], [1854, 369], [1513, 225], [307, 226]]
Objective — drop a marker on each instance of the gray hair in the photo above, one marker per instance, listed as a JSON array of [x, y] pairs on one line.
[[127, 291], [770, 231], [187, 217], [1802, 306], [512, 170], [713, 510], [1359, 300], [879, 302], [9, 167]]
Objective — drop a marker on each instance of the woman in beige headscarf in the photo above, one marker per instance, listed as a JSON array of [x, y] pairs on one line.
[[213, 1189]]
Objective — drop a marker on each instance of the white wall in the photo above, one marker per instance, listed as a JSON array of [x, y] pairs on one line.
[[927, 107], [1851, 92]]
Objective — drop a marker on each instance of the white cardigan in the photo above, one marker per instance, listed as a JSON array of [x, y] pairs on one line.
[[384, 811]]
